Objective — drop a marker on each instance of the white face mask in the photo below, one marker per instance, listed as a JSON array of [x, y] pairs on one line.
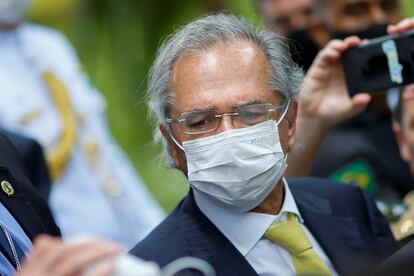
[[13, 11], [237, 169]]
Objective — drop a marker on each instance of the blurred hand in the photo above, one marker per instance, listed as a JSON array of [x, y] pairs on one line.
[[52, 256], [324, 101], [324, 96], [403, 26]]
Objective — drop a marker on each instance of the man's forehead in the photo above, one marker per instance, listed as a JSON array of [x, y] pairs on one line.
[[218, 57], [235, 71]]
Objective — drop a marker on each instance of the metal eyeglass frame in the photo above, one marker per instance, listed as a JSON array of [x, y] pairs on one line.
[[168, 122]]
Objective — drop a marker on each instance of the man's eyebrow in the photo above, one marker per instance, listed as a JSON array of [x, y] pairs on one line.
[[197, 109], [248, 103]]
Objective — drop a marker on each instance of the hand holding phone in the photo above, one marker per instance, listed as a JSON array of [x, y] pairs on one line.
[[382, 63]]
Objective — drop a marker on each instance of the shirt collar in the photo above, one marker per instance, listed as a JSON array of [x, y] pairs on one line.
[[244, 230]]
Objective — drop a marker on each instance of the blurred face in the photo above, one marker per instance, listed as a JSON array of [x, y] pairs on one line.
[[358, 15], [12, 12], [286, 16], [405, 130], [221, 78]]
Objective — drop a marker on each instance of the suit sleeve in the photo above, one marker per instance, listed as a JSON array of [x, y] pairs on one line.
[[379, 227]]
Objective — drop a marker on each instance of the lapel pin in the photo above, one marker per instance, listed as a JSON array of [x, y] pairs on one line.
[[7, 188]]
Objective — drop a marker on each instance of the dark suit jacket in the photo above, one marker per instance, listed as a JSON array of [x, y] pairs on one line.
[[342, 219], [32, 155], [400, 263], [26, 205]]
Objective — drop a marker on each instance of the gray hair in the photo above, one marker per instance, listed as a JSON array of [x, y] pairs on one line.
[[206, 32]]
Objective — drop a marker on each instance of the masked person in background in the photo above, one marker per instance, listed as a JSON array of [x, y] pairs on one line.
[[292, 19], [225, 97], [46, 96], [361, 149]]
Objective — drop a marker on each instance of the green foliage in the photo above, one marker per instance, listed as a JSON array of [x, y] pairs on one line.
[[408, 7]]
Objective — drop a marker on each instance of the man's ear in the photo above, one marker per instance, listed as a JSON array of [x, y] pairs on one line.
[[291, 118], [399, 135], [172, 147]]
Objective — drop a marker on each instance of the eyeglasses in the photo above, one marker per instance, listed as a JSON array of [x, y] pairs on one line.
[[203, 121]]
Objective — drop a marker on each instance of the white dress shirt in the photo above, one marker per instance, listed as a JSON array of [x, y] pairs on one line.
[[245, 231]]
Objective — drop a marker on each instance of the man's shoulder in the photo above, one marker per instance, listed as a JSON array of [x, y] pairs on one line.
[[326, 194], [164, 243], [9, 156], [185, 232], [321, 186], [24, 202], [32, 156], [46, 35]]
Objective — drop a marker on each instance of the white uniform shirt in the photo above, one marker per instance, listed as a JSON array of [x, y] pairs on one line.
[[80, 201], [245, 231]]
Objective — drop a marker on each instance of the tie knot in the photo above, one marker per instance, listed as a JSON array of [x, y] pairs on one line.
[[289, 235]]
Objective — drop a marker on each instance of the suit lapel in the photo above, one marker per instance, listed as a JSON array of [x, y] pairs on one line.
[[338, 236], [203, 240], [19, 206]]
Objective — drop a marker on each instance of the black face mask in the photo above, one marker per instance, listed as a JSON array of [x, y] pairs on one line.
[[302, 48], [371, 32]]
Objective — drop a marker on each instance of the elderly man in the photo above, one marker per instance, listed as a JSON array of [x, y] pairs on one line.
[[225, 97]]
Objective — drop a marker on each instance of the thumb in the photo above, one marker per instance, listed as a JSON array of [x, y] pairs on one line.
[[359, 102]]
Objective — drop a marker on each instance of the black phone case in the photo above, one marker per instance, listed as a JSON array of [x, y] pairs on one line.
[[382, 63]]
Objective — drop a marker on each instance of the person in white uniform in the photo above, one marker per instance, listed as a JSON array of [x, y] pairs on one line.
[[46, 96]]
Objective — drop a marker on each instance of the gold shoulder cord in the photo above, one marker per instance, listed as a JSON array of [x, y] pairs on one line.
[[59, 156]]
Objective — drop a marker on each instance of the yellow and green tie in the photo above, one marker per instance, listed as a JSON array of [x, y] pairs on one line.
[[290, 235]]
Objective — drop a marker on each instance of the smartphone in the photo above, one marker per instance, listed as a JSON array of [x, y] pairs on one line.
[[382, 63]]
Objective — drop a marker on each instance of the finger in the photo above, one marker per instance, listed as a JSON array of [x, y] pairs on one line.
[[404, 25], [342, 46], [332, 52], [334, 49], [104, 268], [45, 251], [352, 41], [407, 93], [335, 44], [359, 103], [77, 257], [392, 29]]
